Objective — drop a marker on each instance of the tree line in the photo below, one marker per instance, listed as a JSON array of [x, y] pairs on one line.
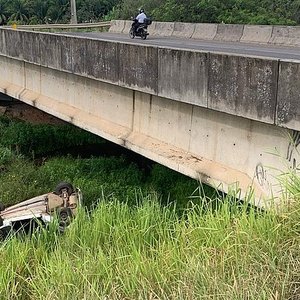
[[284, 12]]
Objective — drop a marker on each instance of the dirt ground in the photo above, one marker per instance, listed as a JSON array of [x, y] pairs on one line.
[[22, 111]]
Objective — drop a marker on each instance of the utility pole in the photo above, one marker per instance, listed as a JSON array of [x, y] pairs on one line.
[[73, 12]]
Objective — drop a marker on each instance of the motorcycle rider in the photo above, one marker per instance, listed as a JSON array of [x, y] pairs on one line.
[[139, 19]]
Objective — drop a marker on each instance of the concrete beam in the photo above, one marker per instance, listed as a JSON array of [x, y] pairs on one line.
[[218, 148]]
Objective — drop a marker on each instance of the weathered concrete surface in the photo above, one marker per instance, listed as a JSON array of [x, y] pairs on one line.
[[31, 47], [288, 111], [51, 50], [229, 32], [182, 76], [243, 86], [102, 60], [183, 30], [256, 34], [205, 31], [285, 35], [219, 149], [240, 86], [155, 116], [161, 28], [13, 44], [67, 55], [2, 42], [117, 26], [79, 54], [138, 67], [127, 26]]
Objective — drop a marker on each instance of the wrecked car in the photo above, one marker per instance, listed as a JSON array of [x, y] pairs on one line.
[[62, 204]]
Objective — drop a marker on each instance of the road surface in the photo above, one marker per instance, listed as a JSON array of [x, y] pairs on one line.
[[245, 49]]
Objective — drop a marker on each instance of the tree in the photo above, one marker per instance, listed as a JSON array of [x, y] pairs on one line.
[[18, 10], [59, 11], [3, 12], [39, 11]]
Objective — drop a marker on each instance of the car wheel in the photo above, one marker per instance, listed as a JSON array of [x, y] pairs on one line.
[[64, 186], [64, 218]]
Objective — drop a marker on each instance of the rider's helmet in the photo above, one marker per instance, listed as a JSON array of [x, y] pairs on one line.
[[142, 10]]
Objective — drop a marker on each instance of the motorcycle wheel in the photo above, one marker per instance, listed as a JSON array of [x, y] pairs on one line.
[[143, 35], [131, 33]]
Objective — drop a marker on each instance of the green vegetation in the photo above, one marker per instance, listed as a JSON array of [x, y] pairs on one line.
[[211, 11], [28, 166], [147, 251], [141, 235]]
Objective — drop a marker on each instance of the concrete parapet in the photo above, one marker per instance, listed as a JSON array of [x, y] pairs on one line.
[[31, 47], [67, 56], [288, 110], [183, 30], [117, 26], [205, 31], [2, 42], [138, 67], [102, 60], [256, 34], [79, 53], [161, 28], [182, 76], [243, 86], [285, 35], [13, 43], [127, 26], [229, 32], [51, 49]]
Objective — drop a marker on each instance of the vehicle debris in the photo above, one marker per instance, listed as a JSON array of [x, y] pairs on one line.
[[62, 203]]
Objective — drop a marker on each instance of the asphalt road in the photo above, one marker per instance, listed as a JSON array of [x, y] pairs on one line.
[[245, 49]]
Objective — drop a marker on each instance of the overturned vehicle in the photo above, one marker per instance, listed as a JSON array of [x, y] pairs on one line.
[[41, 210]]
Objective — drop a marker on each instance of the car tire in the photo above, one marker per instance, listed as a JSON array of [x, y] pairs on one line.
[[64, 218], [64, 186]]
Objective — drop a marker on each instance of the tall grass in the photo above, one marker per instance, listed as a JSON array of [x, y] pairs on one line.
[[148, 251], [131, 242]]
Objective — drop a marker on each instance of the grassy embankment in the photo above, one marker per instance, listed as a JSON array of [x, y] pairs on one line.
[[132, 245]]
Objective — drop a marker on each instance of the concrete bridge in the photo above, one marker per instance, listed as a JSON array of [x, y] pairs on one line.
[[226, 117]]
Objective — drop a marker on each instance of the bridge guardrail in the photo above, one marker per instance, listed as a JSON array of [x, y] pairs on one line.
[[60, 26], [261, 34]]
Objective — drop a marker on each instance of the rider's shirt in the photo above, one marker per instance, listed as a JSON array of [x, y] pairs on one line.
[[141, 17]]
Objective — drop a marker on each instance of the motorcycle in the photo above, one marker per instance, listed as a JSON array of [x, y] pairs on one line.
[[141, 30]]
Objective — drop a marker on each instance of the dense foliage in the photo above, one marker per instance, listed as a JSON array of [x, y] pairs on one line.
[[285, 12]]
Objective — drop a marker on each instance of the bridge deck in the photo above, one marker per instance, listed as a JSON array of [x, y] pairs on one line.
[[271, 51]]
